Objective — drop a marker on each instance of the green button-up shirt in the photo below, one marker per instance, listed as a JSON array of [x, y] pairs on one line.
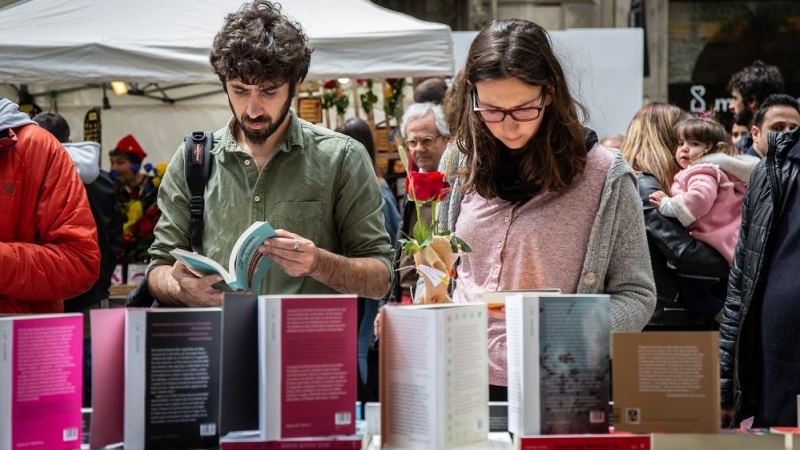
[[319, 185]]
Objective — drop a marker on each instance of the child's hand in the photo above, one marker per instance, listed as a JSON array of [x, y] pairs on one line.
[[657, 197]]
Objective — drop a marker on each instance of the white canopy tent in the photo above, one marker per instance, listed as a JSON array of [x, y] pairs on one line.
[[56, 42], [59, 45]]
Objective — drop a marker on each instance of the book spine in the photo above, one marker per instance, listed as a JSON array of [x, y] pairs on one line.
[[135, 375], [6, 381], [533, 363], [514, 347], [262, 369], [270, 352]]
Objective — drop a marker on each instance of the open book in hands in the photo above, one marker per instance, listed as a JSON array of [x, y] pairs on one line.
[[246, 267]]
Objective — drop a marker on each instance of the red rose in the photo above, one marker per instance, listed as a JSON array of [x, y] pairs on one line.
[[426, 186], [146, 227], [152, 212], [391, 81], [330, 84]]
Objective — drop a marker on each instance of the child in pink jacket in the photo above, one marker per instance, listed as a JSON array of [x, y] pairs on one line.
[[706, 196]]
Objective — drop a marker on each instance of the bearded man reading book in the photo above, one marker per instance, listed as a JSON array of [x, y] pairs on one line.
[[315, 187]]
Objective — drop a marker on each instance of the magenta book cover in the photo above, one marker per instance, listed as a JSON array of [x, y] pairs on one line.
[[108, 376], [48, 383], [318, 377]]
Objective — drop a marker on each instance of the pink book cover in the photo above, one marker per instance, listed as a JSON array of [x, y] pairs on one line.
[[48, 383], [318, 377], [108, 376]]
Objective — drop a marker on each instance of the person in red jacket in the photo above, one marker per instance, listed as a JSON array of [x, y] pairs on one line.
[[48, 239]]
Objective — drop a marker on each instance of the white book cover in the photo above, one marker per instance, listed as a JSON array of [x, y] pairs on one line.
[[558, 363], [434, 376]]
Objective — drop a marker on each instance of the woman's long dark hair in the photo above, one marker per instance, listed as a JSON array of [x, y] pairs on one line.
[[519, 49]]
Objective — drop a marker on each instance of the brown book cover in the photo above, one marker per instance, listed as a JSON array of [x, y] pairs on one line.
[[666, 382]]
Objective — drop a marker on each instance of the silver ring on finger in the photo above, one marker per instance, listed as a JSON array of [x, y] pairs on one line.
[[296, 246]]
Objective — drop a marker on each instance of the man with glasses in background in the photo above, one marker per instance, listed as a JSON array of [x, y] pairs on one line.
[[426, 135]]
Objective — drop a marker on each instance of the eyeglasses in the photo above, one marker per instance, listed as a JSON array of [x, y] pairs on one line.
[[525, 114], [426, 141]]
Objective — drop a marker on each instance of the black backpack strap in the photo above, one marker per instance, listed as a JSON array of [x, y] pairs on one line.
[[197, 168]]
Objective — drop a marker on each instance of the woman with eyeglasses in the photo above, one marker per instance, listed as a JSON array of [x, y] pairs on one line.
[[539, 201]]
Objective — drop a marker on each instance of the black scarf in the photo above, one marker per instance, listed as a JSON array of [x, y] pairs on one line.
[[507, 180]]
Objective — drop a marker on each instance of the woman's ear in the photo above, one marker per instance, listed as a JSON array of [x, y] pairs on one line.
[[551, 91]]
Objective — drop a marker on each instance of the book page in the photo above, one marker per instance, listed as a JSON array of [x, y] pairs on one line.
[[409, 382], [466, 374], [200, 265], [318, 377], [247, 265]]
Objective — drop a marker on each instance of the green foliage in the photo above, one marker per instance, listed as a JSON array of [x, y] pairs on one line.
[[368, 99]]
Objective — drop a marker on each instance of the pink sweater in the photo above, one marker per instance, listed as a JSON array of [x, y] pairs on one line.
[[540, 244], [707, 199]]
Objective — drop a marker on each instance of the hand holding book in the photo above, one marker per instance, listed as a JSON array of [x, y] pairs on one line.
[[197, 292], [247, 265], [294, 254]]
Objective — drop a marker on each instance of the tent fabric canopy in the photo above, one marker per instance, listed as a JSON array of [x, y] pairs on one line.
[[168, 41]]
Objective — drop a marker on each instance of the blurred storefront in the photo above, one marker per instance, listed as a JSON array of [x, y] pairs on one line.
[[693, 46], [710, 40]]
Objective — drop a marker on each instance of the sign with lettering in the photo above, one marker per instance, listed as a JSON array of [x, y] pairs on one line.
[[310, 109]]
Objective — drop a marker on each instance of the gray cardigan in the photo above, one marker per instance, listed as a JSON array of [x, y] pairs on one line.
[[617, 259]]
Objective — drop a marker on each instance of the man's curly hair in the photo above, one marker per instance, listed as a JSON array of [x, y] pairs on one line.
[[757, 82], [259, 45]]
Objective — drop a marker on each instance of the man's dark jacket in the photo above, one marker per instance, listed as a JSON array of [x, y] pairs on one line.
[[770, 184], [108, 218]]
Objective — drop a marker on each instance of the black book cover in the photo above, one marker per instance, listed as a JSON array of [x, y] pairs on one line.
[[182, 378], [239, 386]]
